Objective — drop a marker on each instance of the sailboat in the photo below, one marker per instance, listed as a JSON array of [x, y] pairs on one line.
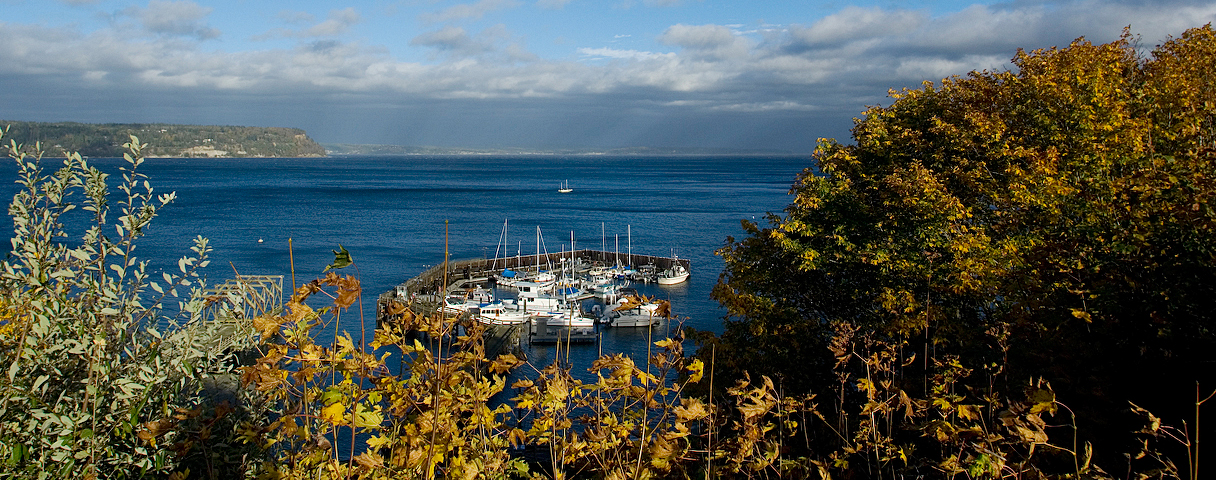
[[565, 187]]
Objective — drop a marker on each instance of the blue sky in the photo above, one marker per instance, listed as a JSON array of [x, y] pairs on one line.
[[525, 73]]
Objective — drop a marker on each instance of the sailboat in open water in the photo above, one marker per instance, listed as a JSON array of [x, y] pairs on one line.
[[565, 187]]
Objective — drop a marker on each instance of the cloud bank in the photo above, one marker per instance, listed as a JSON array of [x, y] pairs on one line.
[[776, 85]]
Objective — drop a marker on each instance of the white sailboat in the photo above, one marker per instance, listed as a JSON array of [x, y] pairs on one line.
[[565, 187]]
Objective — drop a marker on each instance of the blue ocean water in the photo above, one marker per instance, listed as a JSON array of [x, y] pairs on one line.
[[390, 213]]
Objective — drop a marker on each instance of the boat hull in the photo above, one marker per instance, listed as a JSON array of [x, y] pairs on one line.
[[672, 280]]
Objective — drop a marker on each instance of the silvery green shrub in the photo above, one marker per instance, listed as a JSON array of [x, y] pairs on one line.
[[98, 358]]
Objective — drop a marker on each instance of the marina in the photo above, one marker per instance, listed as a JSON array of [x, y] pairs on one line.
[[565, 297]]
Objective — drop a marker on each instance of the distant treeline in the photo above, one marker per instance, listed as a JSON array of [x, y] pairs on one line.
[[356, 149], [165, 140]]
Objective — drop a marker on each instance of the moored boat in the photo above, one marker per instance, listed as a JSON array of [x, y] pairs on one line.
[[636, 311], [676, 274], [497, 313], [459, 303], [572, 317]]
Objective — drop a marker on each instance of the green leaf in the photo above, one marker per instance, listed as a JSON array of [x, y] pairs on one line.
[[19, 454], [341, 259]]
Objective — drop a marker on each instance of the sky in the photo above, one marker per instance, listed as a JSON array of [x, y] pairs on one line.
[[746, 74]]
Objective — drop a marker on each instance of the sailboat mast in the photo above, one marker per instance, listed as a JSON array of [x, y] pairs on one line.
[[502, 245]]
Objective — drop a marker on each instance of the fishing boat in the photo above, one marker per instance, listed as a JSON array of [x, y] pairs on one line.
[[565, 187], [676, 274]]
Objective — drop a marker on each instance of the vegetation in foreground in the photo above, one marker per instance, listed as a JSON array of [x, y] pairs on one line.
[[975, 289]]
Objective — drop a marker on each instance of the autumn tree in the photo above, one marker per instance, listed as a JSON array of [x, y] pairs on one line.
[[1052, 220]]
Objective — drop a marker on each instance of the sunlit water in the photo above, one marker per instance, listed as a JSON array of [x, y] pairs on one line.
[[390, 213]]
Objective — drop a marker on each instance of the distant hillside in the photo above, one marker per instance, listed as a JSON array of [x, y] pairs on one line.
[[350, 149], [164, 140]]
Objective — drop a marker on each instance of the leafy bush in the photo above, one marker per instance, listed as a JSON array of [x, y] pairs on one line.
[[1065, 204], [95, 376]]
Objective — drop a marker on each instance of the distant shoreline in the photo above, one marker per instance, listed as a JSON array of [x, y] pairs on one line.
[[225, 141], [372, 150]]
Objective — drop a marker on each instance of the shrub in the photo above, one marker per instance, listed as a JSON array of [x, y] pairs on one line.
[[96, 375]]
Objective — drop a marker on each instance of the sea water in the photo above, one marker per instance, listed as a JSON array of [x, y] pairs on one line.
[[395, 213]]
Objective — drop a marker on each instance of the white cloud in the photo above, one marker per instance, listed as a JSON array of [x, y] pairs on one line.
[[854, 23], [454, 39], [614, 53], [339, 22], [714, 41], [831, 61], [178, 18], [468, 10], [828, 68], [494, 42]]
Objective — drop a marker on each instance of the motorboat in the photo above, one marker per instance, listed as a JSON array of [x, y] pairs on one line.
[[534, 300], [529, 288], [645, 273], [459, 303], [497, 313], [604, 288], [636, 311], [572, 317], [541, 304], [676, 274]]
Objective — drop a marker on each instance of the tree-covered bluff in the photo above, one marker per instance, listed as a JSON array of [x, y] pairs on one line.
[[164, 140]]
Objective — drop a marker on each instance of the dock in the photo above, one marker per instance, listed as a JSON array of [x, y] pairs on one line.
[[540, 333]]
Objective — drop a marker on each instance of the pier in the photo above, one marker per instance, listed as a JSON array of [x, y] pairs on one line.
[[232, 306]]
